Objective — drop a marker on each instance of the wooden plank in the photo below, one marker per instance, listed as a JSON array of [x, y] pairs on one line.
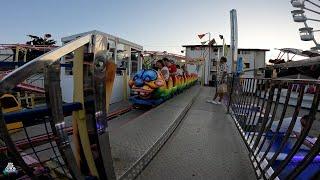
[[111, 68], [79, 118], [109, 36]]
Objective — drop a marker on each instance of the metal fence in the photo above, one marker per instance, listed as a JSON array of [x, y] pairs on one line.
[[279, 122]]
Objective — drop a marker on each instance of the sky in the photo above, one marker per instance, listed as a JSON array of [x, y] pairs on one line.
[[163, 25]]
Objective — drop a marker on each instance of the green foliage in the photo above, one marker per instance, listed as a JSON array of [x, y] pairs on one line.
[[36, 40], [147, 63]]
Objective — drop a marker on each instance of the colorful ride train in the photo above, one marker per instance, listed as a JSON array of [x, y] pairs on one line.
[[150, 88]]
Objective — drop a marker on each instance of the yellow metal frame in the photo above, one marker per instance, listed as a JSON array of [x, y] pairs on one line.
[[79, 118], [111, 71], [12, 127]]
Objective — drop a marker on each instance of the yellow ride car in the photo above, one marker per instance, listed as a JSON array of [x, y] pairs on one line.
[[10, 104]]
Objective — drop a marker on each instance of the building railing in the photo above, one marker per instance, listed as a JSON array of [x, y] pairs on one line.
[[279, 123]]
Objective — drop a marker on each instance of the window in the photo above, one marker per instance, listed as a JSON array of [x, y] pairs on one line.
[[134, 62], [68, 63], [69, 58], [112, 49], [244, 52], [122, 58], [196, 48], [247, 65]]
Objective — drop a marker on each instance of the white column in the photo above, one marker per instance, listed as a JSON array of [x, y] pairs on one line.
[[206, 69], [234, 38]]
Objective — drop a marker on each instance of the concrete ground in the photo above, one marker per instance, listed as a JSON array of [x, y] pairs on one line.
[[206, 145]]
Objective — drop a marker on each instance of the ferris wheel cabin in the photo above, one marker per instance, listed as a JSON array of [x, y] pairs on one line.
[[298, 16], [297, 3], [306, 34]]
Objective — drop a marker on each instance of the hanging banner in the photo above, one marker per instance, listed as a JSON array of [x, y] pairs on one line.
[[239, 66], [204, 42], [212, 42], [201, 36]]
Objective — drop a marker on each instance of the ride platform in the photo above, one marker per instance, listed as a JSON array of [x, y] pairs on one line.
[[206, 145], [134, 144]]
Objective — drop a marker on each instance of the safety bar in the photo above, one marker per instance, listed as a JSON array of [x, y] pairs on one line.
[[38, 112]]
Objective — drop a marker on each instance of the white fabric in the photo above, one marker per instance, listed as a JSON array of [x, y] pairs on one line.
[[179, 72], [165, 73]]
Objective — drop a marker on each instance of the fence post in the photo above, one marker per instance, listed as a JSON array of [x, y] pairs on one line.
[[230, 93]]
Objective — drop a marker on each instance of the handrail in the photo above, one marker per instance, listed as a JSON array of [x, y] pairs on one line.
[[263, 134], [15, 77], [303, 81]]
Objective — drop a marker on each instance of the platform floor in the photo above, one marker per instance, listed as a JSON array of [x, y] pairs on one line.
[[136, 136], [119, 105], [206, 145]]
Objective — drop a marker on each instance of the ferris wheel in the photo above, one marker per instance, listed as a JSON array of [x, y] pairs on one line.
[[307, 12]]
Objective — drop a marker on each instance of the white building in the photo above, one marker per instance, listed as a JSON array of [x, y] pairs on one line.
[[253, 59], [124, 53], [6, 54]]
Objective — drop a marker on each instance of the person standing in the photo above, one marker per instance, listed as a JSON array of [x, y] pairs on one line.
[[221, 81]]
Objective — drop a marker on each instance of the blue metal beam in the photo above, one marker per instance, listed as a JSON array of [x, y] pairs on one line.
[[29, 116], [14, 64]]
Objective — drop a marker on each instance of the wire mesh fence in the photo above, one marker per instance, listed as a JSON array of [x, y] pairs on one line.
[[38, 142], [36, 145]]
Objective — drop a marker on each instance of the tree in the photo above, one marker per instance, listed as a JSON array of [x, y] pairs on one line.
[[39, 41], [36, 40]]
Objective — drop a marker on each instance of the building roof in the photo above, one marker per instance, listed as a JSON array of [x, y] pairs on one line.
[[172, 55], [217, 46], [304, 62], [27, 46], [118, 39]]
